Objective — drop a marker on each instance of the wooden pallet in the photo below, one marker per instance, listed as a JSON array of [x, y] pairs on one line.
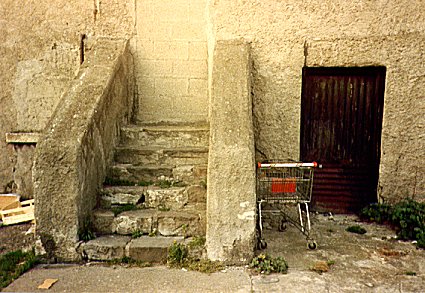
[[24, 213], [9, 201]]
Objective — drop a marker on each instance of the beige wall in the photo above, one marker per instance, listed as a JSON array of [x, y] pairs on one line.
[[171, 64], [337, 33], [39, 55]]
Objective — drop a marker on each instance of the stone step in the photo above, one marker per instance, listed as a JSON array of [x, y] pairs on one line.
[[145, 248], [185, 222], [185, 173], [154, 156], [165, 135], [172, 198]]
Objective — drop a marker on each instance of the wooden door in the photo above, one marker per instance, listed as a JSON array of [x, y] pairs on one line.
[[341, 123]]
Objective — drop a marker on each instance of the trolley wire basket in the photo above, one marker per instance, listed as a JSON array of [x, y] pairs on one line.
[[286, 184]]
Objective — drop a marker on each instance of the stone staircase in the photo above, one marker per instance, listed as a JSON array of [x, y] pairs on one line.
[[154, 194]]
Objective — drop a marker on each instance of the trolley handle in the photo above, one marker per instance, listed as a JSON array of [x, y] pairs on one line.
[[289, 165]]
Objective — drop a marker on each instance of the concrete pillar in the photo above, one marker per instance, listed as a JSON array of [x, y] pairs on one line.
[[231, 202]]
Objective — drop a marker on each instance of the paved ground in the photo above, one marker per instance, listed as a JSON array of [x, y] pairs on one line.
[[373, 262]]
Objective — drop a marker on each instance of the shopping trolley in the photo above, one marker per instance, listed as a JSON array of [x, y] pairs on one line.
[[286, 184]]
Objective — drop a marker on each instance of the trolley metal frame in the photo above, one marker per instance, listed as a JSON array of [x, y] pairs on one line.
[[282, 184]]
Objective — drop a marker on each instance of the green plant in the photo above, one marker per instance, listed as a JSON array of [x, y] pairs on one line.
[[85, 232], [136, 234], [184, 230], [204, 266], [164, 183], [203, 183], [197, 241], [153, 233], [267, 264], [406, 216], [14, 264], [379, 213], [122, 208], [410, 273], [117, 182], [409, 216], [330, 262], [356, 229], [178, 257], [177, 254], [144, 183]]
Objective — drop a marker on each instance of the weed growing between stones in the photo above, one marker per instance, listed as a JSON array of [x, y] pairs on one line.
[[120, 182], [179, 257], [123, 208], [136, 234], [85, 232], [407, 217], [14, 264], [203, 183], [265, 264], [410, 273], [153, 233], [356, 229], [197, 241]]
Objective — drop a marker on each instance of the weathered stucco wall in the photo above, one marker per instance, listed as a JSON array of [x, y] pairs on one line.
[[73, 154], [39, 56], [171, 63], [335, 33]]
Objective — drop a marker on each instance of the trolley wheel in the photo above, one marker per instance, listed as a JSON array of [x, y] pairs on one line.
[[312, 245], [282, 226], [262, 244]]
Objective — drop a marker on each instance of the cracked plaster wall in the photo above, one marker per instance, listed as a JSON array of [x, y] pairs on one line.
[[39, 56], [337, 33]]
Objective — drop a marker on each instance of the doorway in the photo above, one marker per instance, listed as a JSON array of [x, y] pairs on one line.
[[341, 125]]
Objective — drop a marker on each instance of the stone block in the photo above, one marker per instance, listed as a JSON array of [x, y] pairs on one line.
[[198, 50], [162, 68], [178, 223], [103, 222], [139, 173], [146, 87], [145, 49], [157, 107], [198, 88], [171, 50], [121, 195], [129, 222], [176, 12], [171, 136], [170, 198], [106, 247], [155, 156], [171, 87], [196, 194], [190, 173], [151, 249], [190, 68], [189, 30]]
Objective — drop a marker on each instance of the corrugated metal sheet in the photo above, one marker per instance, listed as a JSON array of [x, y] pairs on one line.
[[341, 129]]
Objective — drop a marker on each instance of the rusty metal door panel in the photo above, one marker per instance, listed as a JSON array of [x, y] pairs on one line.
[[341, 123]]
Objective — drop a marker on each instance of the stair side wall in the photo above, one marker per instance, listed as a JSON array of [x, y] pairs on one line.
[[71, 158], [231, 200]]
